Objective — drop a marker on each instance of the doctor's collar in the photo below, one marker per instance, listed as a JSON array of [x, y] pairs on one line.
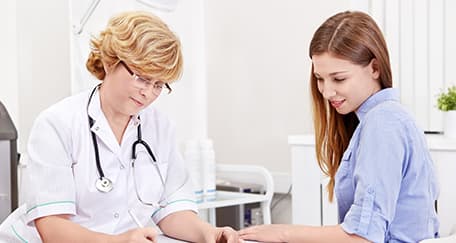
[[95, 112], [135, 119]]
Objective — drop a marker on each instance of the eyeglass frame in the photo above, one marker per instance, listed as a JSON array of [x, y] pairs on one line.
[[144, 80]]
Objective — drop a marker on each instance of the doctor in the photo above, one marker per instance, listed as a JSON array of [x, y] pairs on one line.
[[104, 162]]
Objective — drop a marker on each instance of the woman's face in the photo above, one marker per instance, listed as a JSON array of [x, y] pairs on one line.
[[122, 93], [344, 84]]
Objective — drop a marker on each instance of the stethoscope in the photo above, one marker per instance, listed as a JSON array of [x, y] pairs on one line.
[[104, 184]]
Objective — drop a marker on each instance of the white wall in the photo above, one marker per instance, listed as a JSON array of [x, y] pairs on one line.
[[419, 34], [258, 72], [43, 58], [35, 60], [8, 64]]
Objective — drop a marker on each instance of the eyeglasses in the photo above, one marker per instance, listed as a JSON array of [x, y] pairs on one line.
[[142, 83]]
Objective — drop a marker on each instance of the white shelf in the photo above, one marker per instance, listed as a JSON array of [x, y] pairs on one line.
[[438, 142], [225, 198]]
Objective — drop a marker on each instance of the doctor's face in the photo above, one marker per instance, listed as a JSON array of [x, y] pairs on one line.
[[344, 84], [128, 91]]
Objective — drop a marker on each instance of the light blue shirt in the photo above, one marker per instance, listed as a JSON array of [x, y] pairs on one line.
[[386, 184]]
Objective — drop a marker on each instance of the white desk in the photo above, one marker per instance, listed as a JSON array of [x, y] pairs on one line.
[[164, 239]]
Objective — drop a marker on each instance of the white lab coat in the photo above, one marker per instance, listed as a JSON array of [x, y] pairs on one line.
[[61, 174]]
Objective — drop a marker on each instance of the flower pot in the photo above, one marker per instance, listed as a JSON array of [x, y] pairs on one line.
[[449, 124]]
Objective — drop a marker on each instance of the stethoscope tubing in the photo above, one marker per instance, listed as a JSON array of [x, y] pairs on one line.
[[103, 184]]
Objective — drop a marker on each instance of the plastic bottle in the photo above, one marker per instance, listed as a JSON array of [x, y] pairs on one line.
[[193, 158], [208, 162]]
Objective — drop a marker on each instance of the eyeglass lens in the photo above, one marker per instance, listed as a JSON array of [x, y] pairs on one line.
[[143, 83]]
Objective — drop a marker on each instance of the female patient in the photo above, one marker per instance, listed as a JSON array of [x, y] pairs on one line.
[[376, 157]]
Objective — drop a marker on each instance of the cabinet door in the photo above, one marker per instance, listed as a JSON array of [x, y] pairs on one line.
[[306, 193], [445, 162]]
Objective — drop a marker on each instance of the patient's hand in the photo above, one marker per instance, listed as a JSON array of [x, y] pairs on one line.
[[265, 233], [224, 235]]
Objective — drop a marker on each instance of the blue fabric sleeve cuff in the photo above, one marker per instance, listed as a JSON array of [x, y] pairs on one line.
[[366, 223]]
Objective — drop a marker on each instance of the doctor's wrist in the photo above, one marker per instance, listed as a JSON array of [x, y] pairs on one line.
[[105, 238]]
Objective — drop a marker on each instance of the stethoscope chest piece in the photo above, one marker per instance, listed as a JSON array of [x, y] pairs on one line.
[[103, 184]]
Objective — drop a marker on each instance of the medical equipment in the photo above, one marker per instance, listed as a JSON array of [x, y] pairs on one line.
[[104, 184], [8, 166], [200, 156], [78, 28], [161, 5], [208, 162]]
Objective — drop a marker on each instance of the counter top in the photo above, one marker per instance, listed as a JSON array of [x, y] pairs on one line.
[[435, 141]]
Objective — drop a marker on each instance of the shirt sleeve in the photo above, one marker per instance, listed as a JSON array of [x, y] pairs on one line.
[[380, 159], [178, 187], [48, 179]]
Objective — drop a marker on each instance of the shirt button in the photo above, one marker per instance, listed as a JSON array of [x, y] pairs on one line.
[[97, 128], [122, 167], [370, 190], [116, 215]]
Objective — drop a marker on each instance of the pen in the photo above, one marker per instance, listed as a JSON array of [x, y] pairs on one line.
[[133, 216]]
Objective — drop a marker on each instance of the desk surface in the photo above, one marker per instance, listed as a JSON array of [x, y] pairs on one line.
[[164, 239]]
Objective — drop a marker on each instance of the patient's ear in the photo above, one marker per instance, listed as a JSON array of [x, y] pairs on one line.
[[374, 68]]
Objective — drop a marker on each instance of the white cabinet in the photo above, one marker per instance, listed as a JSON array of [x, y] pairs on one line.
[[443, 152], [310, 205]]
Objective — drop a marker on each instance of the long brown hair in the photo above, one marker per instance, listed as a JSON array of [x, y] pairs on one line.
[[352, 36]]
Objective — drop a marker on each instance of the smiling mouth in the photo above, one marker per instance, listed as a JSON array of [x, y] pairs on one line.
[[337, 104]]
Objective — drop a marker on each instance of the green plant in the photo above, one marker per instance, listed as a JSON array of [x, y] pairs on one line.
[[446, 101]]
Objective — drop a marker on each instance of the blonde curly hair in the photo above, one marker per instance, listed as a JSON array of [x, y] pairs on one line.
[[141, 40]]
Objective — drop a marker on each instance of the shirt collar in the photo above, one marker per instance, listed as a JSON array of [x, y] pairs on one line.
[[95, 112], [388, 94]]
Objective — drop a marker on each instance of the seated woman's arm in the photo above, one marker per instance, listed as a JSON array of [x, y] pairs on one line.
[[299, 233]]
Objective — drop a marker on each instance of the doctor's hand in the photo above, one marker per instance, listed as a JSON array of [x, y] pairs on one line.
[[265, 233], [224, 235], [139, 235]]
